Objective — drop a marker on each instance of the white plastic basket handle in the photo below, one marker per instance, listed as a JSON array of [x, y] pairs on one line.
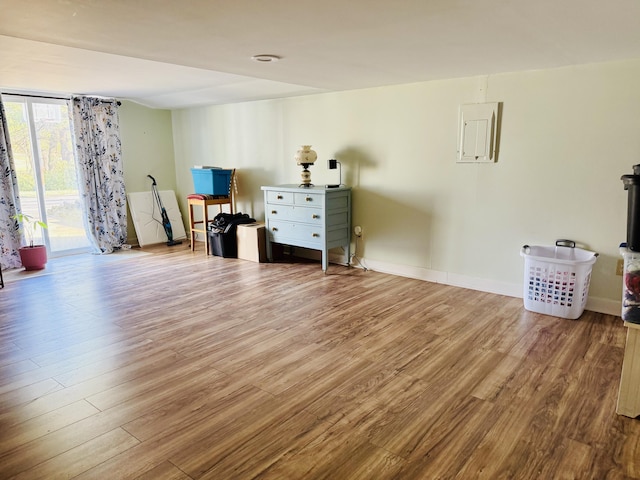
[[526, 249], [565, 243], [570, 244]]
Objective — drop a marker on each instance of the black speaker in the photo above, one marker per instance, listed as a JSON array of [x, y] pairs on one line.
[[632, 185], [333, 164]]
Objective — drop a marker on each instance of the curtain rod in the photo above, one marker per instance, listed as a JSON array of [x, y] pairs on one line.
[[52, 97]]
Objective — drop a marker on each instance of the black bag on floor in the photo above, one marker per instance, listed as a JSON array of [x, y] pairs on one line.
[[223, 222], [222, 233]]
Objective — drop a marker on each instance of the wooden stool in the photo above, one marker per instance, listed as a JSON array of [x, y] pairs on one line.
[[197, 200], [205, 201]]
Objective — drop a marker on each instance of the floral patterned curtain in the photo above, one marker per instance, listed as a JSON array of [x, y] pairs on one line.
[[100, 175], [10, 239]]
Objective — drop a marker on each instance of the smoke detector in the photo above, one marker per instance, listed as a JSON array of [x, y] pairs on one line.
[[265, 58]]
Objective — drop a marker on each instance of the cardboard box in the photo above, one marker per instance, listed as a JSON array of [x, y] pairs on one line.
[[251, 239]]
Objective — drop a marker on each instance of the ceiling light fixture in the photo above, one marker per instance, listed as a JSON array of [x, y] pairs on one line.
[[265, 58]]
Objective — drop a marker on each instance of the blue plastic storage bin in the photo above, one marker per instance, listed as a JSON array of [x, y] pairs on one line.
[[211, 181]]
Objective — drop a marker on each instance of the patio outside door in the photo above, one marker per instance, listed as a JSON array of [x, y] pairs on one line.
[[40, 134]]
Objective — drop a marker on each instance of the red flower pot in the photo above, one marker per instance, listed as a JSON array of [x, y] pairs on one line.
[[33, 258]]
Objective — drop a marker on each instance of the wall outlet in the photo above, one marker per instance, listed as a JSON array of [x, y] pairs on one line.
[[357, 230], [620, 267]]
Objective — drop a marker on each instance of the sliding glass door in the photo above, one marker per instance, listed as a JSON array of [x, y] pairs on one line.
[[40, 135]]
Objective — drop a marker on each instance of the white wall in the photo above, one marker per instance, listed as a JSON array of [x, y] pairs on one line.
[[147, 149], [567, 135]]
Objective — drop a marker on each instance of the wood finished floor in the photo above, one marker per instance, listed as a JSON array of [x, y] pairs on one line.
[[174, 365]]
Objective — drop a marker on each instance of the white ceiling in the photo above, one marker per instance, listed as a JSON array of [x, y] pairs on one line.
[[173, 54]]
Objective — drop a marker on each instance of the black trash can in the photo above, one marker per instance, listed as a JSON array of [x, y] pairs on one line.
[[222, 234], [632, 185], [223, 244]]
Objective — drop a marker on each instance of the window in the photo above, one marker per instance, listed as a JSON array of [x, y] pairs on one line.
[[40, 134]]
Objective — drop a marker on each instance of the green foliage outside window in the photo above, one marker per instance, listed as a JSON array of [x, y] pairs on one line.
[[54, 146]]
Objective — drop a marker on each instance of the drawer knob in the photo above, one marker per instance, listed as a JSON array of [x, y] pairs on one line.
[[315, 216], [315, 235], [274, 229], [308, 199], [273, 212], [279, 197]]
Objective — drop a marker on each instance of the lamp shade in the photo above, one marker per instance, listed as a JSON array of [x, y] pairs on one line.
[[305, 156]]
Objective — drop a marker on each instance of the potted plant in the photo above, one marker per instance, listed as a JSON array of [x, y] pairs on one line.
[[33, 257]]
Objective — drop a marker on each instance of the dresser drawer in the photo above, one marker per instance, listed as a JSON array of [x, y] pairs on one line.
[[276, 197], [294, 233], [295, 214], [308, 199]]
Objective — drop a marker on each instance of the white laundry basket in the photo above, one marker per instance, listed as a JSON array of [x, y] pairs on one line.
[[556, 279]]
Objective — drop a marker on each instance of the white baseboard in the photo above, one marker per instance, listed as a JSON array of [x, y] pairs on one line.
[[595, 304], [604, 305]]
